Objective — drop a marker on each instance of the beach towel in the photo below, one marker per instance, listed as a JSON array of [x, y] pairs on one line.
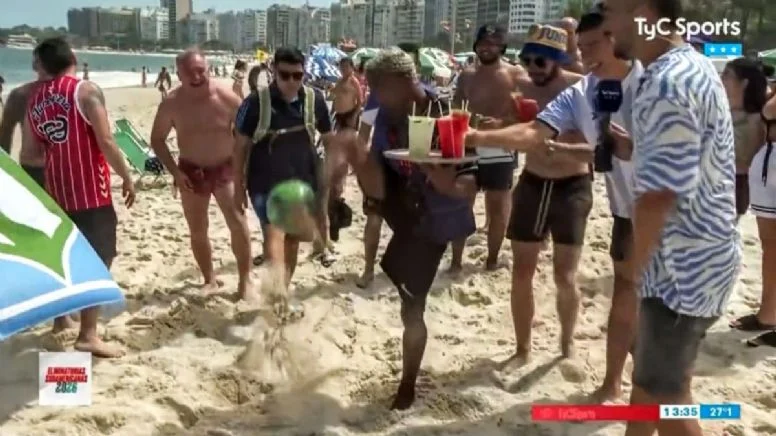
[[48, 268]]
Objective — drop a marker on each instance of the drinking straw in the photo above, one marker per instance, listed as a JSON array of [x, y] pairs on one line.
[[428, 112], [441, 111], [413, 108]]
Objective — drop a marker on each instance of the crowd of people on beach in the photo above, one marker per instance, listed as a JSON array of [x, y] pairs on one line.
[[684, 154]]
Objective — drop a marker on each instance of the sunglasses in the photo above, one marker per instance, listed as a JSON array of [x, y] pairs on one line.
[[540, 62], [297, 76]]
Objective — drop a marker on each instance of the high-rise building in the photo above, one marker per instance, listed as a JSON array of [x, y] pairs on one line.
[[179, 10], [492, 12], [369, 23], [278, 25], [524, 13], [409, 20], [436, 17], [202, 27], [101, 22], [154, 24]]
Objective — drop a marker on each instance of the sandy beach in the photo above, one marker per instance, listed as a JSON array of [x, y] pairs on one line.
[[179, 377]]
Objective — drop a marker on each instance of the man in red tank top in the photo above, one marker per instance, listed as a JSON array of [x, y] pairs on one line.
[[68, 117]]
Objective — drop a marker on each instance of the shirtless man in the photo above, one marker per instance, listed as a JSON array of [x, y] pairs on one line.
[[201, 112], [487, 87], [163, 82], [347, 100], [554, 193]]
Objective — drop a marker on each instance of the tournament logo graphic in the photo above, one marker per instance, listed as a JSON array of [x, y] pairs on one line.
[[54, 130]]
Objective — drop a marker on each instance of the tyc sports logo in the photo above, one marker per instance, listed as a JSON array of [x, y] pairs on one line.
[[687, 28]]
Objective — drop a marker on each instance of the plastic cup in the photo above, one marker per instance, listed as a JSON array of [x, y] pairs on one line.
[[421, 135], [446, 135], [460, 127]]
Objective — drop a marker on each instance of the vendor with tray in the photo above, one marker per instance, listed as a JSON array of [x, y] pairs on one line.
[[425, 204]]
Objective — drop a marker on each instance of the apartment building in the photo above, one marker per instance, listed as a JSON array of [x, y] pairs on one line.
[[410, 17], [154, 24], [524, 13], [101, 22], [202, 27]]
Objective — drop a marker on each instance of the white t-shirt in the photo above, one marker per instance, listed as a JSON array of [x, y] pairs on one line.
[[572, 109]]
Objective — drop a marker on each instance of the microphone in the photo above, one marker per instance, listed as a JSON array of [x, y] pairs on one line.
[[608, 100]]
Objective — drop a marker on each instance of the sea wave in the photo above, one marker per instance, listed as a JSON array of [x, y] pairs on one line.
[[106, 80]]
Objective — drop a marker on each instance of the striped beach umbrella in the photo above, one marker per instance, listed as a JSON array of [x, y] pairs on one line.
[[48, 267], [363, 53], [319, 68], [327, 52]]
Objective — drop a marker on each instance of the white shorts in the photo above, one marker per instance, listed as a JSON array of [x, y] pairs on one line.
[[763, 194]]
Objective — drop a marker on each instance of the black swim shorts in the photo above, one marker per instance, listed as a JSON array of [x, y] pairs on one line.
[[412, 263], [556, 206], [98, 226]]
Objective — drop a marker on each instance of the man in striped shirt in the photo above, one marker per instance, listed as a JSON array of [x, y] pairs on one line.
[[686, 244], [69, 119]]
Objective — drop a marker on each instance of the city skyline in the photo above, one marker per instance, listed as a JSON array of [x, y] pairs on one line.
[[56, 10]]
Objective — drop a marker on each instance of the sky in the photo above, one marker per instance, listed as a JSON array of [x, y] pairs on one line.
[[28, 11]]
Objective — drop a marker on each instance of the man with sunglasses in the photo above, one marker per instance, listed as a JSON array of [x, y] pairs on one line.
[[486, 88], [554, 194], [686, 251], [573, 110], [284, 152]]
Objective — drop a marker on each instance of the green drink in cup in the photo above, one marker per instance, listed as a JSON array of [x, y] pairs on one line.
[[421, 135]]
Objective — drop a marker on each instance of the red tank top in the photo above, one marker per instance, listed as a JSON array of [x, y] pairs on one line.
[[77, 175]]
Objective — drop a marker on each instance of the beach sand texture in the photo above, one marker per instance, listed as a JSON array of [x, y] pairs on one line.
[[179, 376]]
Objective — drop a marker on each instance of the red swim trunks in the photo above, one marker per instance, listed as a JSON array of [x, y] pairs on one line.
[[207, 179]]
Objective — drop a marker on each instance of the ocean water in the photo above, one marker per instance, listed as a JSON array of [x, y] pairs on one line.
[[109, 70]]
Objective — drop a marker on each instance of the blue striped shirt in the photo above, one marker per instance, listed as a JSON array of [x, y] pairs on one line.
[[683, 143]]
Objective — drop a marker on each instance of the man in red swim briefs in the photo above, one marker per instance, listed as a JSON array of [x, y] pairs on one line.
[[202, 113]]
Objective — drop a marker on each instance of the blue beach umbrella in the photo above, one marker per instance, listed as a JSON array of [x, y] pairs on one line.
[[48, 268], [318, 68], [327, 52]]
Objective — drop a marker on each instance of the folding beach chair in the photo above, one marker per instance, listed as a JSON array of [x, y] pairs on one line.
[[136, 150]]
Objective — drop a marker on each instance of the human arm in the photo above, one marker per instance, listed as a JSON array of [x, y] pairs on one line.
[[667, 169], [13, 113], [459, 97], [91, 100], [246, 121], [163, 124], [459, 182]]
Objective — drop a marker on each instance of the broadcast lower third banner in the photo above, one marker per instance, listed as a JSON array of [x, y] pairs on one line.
[[565, 412]]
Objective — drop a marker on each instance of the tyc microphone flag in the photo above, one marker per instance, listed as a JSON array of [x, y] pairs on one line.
[[48, 268]]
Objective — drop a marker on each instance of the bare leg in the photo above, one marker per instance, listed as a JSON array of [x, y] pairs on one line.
[[668, 427], [526, 256], [621, 331], [413, 346], [372, 229], [767, 230], [291, 251], [240, 235], [498, 207], [62, 323], [565, 260], [88, 341], [456, 263], [195, 210]]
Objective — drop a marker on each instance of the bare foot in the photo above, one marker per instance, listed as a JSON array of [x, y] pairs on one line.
[[404, 398], [567, 349], [245, 290], [608, 392], [62, 323], [211, 287], [491, 264], [98, 348], [365, 280], [516, 361], [455, 269]]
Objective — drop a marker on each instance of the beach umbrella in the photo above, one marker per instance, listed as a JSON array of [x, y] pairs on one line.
[[363, 53], [327, 52], [48, 267], [442, 57], [430, 66], [319, 68], [769, 56]]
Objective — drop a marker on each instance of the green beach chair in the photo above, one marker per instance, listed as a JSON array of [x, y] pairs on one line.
[[136, 150]]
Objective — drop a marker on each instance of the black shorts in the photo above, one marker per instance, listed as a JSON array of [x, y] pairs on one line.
[[412, 263], [99, 228], [622, 239], [37, 173], [742, 193], [495, 176], [557, 206], [667, 345]]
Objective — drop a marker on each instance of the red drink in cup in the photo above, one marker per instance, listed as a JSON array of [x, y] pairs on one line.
[[446, 133], [460, 127]]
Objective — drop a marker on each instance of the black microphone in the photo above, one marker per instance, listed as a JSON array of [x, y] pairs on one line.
[[608, 100]]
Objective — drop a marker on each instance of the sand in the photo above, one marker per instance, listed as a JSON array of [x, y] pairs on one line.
[[179, 376]]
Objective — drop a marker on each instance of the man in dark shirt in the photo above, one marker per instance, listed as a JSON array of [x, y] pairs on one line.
[[426, 207], [287, 152]]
